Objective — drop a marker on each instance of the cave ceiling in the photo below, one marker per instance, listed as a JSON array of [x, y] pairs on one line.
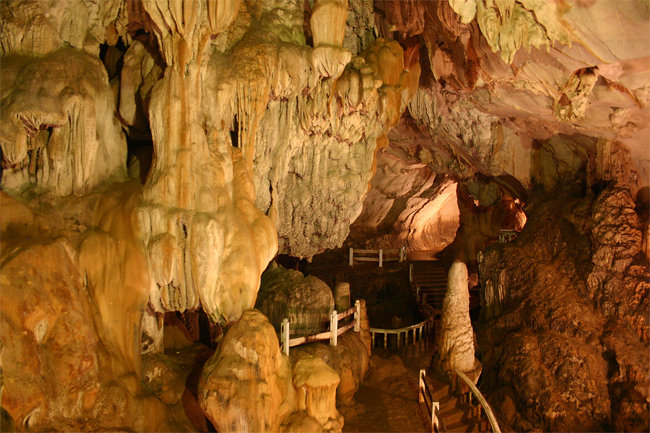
[[522, 93]]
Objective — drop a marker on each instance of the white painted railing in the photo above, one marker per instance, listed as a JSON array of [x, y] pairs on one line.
[[506, 236], [332, 335], [483, 402], [416, 331], [425, 395], [382, 255]]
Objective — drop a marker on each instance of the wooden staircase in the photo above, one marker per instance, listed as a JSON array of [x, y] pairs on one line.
[[456, 415], [431, 279]]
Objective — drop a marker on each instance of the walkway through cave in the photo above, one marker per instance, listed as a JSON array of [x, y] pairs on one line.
[[387, 400]]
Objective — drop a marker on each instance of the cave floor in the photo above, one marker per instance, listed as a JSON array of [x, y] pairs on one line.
[[391, 405]]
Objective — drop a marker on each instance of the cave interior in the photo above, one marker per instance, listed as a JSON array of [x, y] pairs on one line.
[[179, 177]]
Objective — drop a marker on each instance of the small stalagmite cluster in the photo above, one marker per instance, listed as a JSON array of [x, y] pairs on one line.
[[158, 155]]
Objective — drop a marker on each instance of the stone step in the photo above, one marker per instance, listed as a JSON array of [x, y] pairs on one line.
[[432, 286], [461, 426], [429, 282]]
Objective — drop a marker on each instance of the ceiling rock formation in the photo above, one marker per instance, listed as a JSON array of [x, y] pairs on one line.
[[407, 204], [158, 154]]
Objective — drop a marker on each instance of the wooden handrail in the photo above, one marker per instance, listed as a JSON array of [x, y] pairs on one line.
[[381, 255], [425, 395], [285, 329], [481, 400], [429, 311]]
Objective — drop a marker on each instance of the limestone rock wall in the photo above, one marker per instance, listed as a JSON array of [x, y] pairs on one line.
[[407, 205], [548, 321], [67, 365], [59, 132], [493, 93]]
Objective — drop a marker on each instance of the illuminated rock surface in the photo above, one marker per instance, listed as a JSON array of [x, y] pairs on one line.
[[255, 128], [456, 339]]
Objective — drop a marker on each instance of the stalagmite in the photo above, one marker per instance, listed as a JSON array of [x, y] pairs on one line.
[[315, 385], [456, 339], [246, 385]]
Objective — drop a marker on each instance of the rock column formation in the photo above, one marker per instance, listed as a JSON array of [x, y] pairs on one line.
[[456, 339], [206, 241]]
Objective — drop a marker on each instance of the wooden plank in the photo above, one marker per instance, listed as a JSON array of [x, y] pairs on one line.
[[345, 328], [366, 259], [346, 313], [309, 338]]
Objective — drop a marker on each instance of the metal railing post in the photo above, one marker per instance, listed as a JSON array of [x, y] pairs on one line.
[[284, 333], [334, 327]]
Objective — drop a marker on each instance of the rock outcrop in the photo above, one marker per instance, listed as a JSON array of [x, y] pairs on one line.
[[249, 385], [561, 348], [305, 301]]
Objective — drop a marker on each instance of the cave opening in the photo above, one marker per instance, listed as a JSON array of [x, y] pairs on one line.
[[234, 132]]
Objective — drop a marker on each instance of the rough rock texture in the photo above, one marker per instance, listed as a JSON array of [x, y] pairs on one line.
[[407, 204], [560, 348], [456, 338], [248, 384], [349, 359], [59, 132], [58, 373], [504, 79], [305, 301]]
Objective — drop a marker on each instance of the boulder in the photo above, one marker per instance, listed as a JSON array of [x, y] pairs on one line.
[[305, 301], [246, 384]]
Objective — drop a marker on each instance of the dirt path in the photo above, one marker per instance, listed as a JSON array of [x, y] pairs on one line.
[[391, 405]]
